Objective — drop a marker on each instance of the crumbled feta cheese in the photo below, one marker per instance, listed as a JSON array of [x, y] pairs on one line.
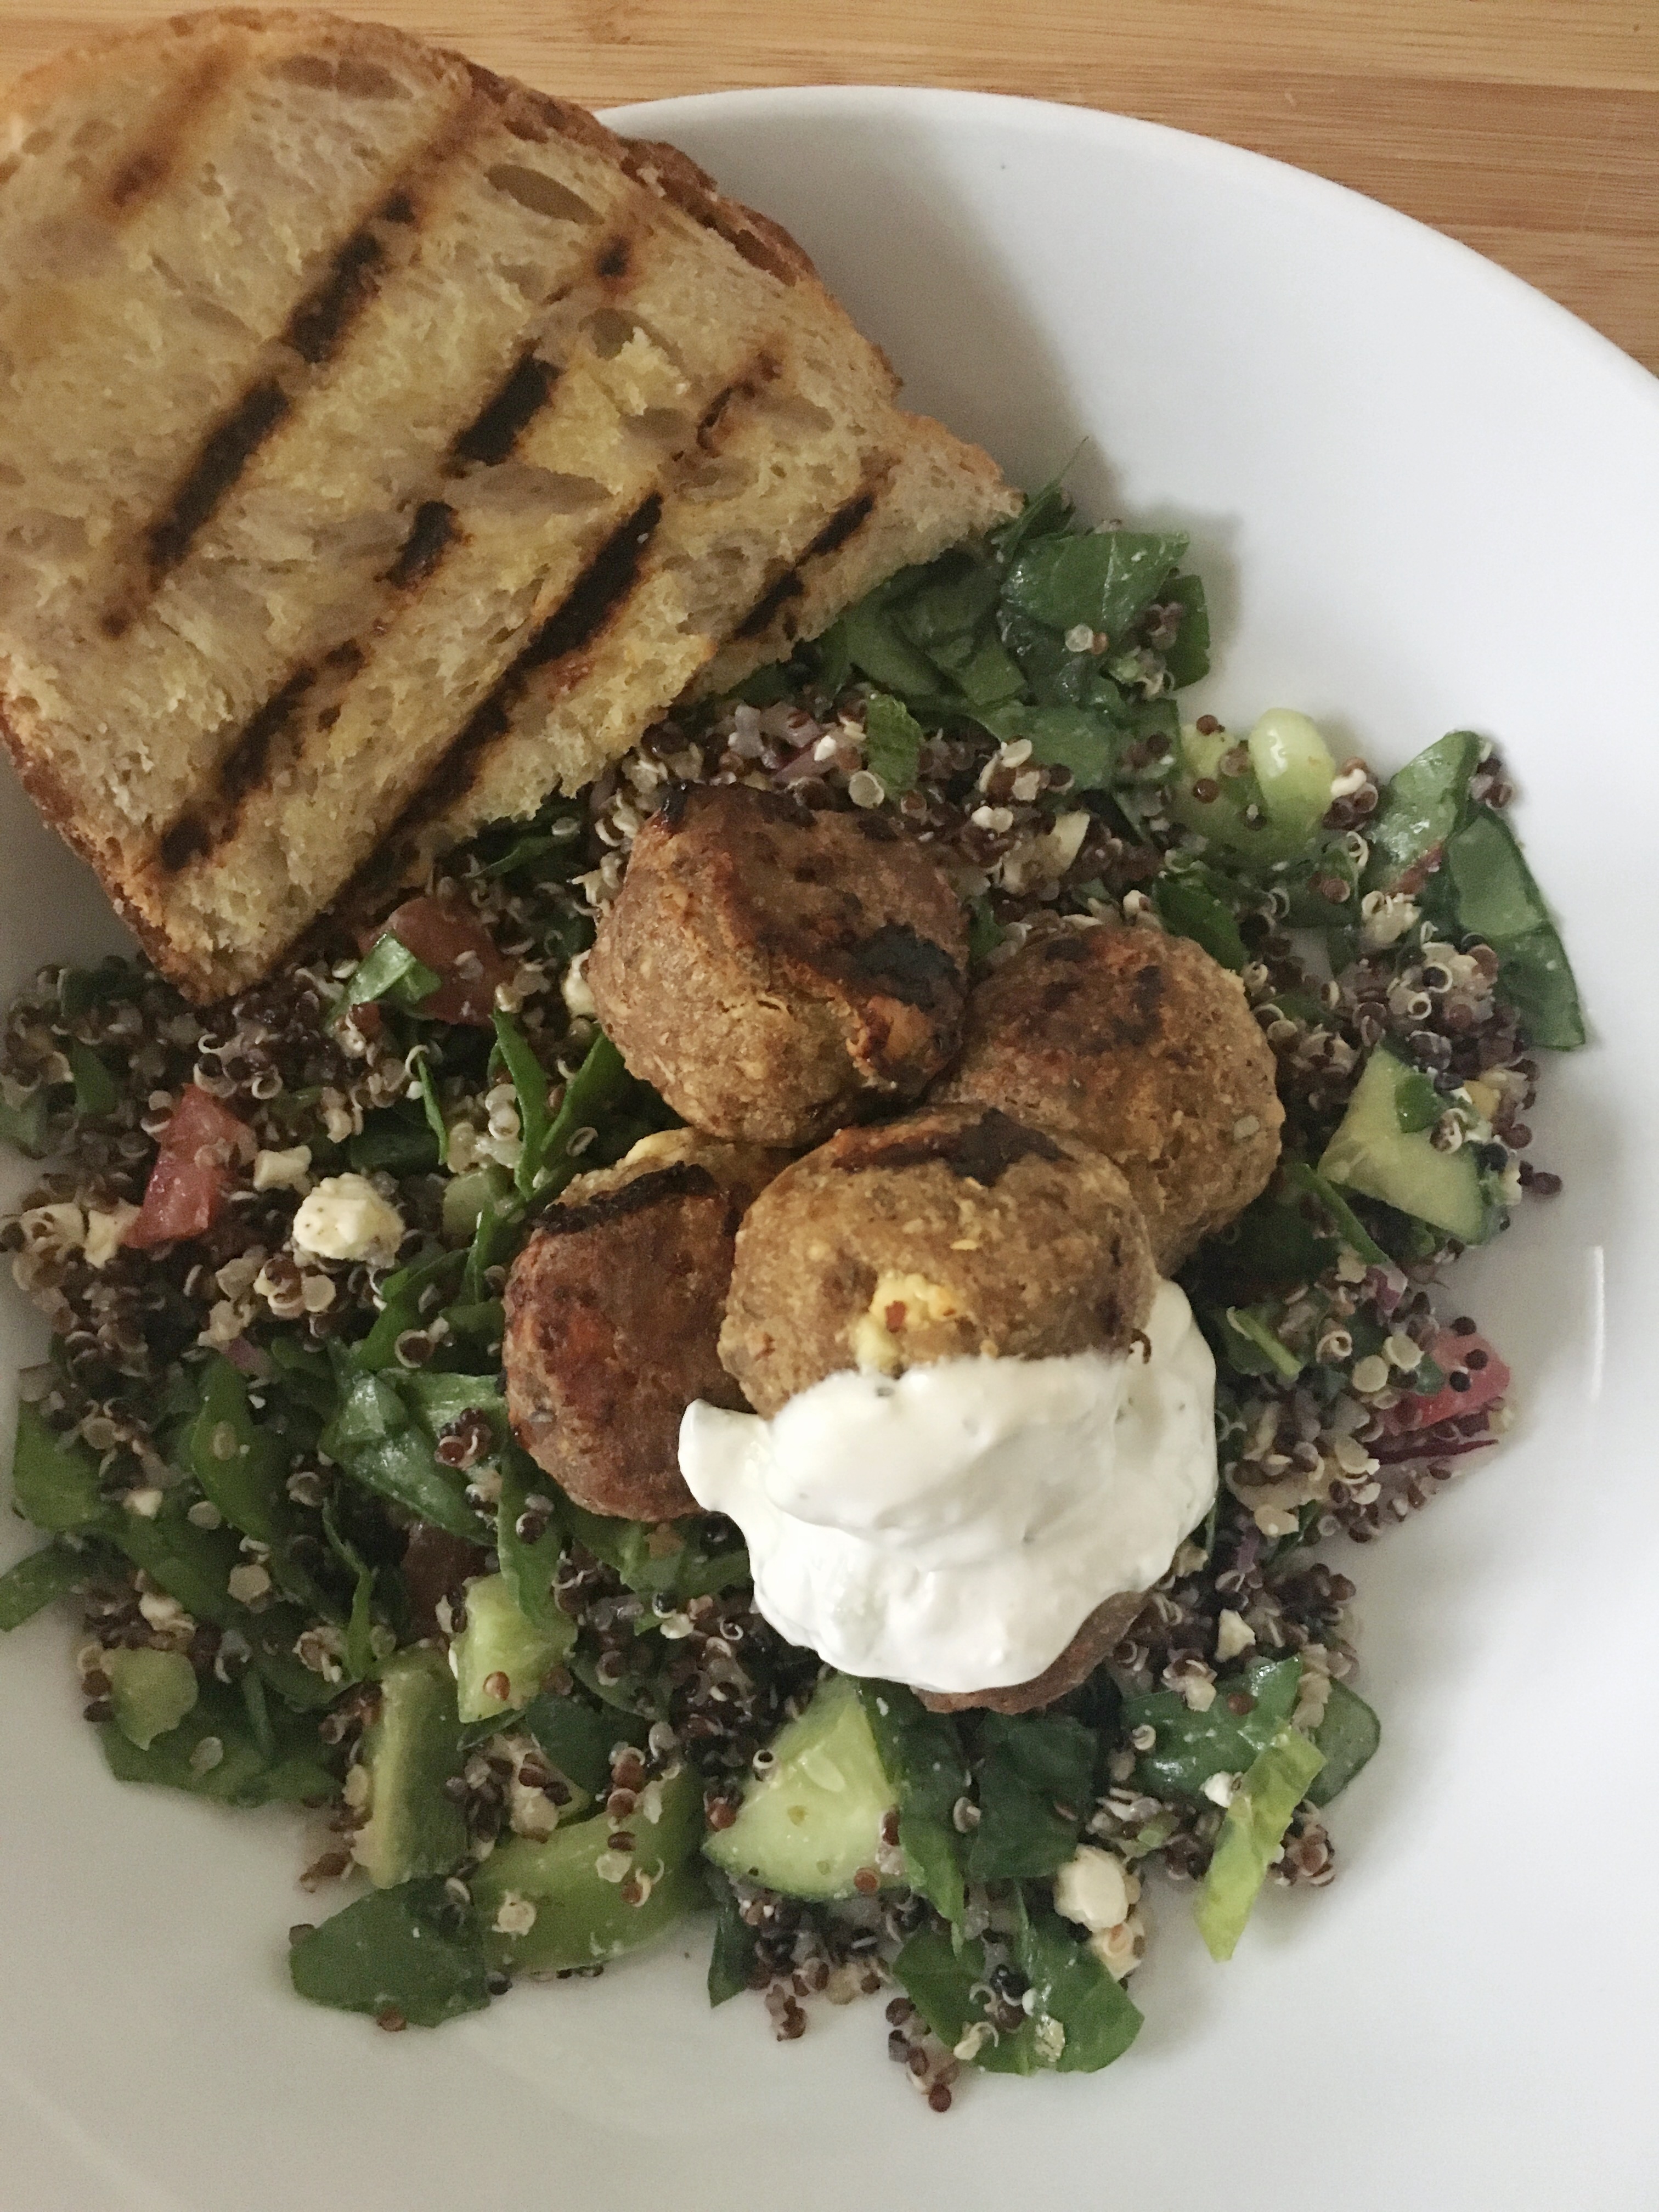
[[345, 1218], [1221, 1788], [145, 1502], [1092, 1888], [106, 1231], [281, 1171], [1233, 1634]]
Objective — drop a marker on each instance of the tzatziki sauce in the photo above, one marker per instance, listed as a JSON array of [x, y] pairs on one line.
[[953, 1527]]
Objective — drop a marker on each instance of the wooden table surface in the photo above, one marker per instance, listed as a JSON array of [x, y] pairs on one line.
[[1528, 128]]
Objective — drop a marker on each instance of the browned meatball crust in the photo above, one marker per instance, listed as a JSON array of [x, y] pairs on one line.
[[1141, 1045], [776, 972], [1098, 1637], [613, 1314], [953, 1232]]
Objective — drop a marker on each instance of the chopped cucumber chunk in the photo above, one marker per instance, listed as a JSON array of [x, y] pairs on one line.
[[1294, 767], [575, 1901], [150, 1693], [812, 1822], [499, 1656], [412, 1749], [1383, 1149]]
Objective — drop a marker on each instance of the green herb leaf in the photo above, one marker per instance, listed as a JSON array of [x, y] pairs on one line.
[[1095, 2018], [1036, 1788], [1495, 896], [24, 1128], [1081, 739], [1262, 1810], [241, 1466], [595, 1095], [401, 1951], [360, 1648], [1422, 805], [529, 1565], [96, 1091], [1252, 1346], [1347, 1223], [985, 932], [940, 1978], [1106, 579], [1188, 910], [1346, 1738], [27, 1589], [433, 1111], [875, 644], [530, 1082], [1191, 1747], [1188, 658], [391, 971], [921, 1755], [54, 1479], [1082, 2018], [667, 1559], [80, 989], [576, 1738], [404, 1469], [396, 1140], [213, 1753], [892, 749], [732, 1957]]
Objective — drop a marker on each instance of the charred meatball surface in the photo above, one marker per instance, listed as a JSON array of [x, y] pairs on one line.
[[1104, 1629], [953, 1232], [1141, 1045], [776, 972], [613, 1315]]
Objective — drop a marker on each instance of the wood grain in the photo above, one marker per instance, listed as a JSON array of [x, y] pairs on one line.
[[1528, 128]]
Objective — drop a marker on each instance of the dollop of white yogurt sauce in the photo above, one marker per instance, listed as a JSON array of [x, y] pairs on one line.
[[953, 1526]]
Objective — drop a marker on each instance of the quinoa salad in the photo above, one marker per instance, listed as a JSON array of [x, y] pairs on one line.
[[279, 1490]]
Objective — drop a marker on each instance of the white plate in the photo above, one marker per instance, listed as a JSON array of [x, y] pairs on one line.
[[1424, 497]]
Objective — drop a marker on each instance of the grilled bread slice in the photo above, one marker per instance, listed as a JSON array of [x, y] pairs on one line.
[[383, 444]]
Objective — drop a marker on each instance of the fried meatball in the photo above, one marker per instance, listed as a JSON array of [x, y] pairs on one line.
[[613, 1312], [1099, 1636], [777, 972], [953, 1232], [1141, 1045]]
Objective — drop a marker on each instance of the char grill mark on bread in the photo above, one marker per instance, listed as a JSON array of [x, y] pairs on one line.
[[599, 597], [410, 348], [792, 585]]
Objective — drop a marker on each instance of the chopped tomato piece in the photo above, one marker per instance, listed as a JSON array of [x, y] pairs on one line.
[[1475, 1376], [187, 1185], [461, 951]]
